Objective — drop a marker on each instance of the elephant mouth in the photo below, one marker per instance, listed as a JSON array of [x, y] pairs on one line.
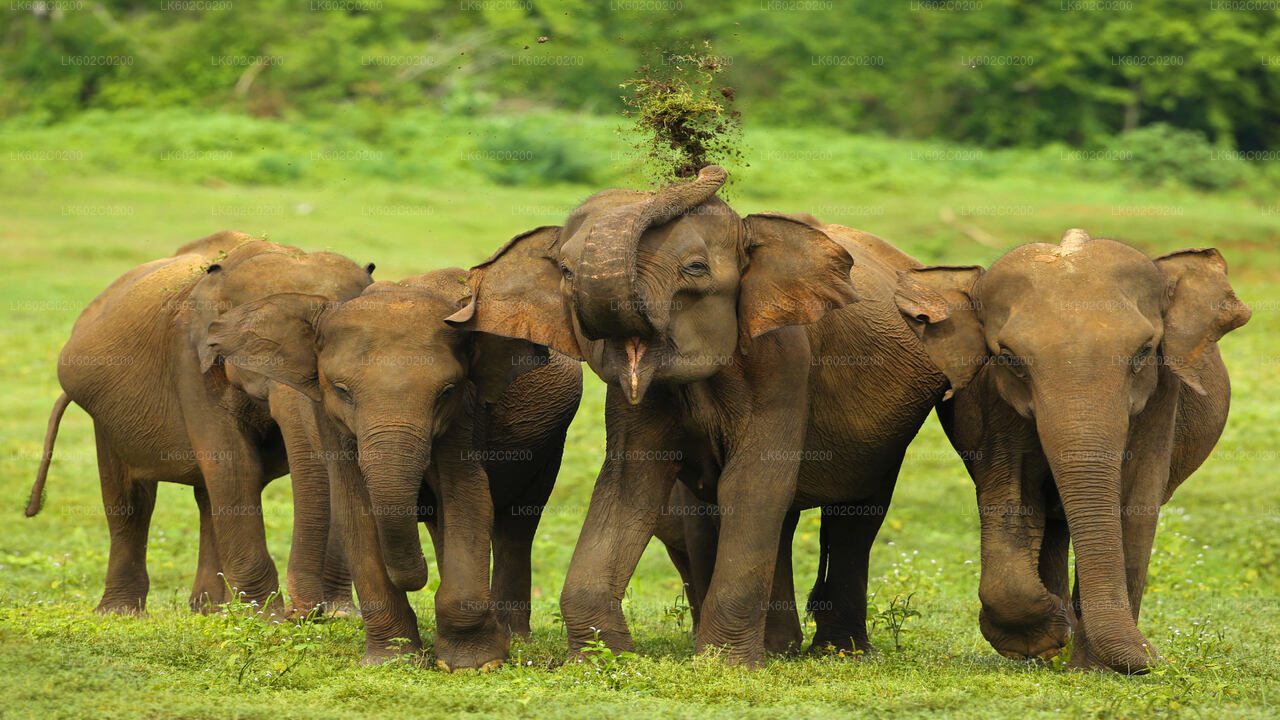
[[634, 364], [635, 351]]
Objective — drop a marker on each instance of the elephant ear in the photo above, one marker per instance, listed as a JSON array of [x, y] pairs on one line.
[[794, 275], [938, 304], [275, 337], [202, 306], [516, 294], [1200, 307]]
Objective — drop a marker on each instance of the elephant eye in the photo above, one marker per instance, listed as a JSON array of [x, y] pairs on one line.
[[1143, 358], [566, 272], [697, 268], [343, 391], [446, 392], [1016, 363]]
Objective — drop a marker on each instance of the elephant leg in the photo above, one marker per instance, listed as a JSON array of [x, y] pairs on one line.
[[468, 634], [633, 486], [1021, 616], [680, 559], [848, 533], [782, 634], [733, 616], [312, 542], [702, 537], [513, 534], [209, 591], [128, 506], [1055, 572], [512, 569], [234, 479], [337, 576]]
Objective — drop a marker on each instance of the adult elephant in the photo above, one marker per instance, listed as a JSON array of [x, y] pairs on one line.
[[422, 422], [1088, 387], [166, 408], [727, 344]]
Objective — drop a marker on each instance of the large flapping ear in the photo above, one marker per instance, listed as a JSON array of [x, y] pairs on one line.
[[938, 304], [274, 337], [516, 294], [1200, 307], [795, 274]]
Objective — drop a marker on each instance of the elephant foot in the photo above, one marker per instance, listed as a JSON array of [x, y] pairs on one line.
[[617, 638], [376, 653], [1035, 641], [483, 669], [1138, 660], [783, 643], [475, 649], [327, 610], [843, 644], [122, 606], [207, 601], [752, 657]]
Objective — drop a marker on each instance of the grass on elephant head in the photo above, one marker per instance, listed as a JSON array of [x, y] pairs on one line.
[[1213, 600]]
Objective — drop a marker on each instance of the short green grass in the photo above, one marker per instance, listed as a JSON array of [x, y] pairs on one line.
[[1212, 607]]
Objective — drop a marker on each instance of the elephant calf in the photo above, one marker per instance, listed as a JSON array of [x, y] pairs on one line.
[[421, 421], [165, 407], [1088, 386]]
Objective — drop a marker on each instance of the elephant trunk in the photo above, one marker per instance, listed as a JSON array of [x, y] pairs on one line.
[[1085, 451], [607, 299], [394, 461]]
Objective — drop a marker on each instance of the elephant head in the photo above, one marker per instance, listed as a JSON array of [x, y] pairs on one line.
[[662, 287], [393, 378], [242, 269], [1072, 337]]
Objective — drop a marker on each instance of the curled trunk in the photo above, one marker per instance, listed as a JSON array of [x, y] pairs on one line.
[[607, 300]]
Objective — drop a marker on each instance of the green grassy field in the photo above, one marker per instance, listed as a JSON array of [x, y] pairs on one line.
[[78, 207]]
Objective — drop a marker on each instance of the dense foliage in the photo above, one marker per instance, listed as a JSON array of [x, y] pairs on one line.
[[989, 72]]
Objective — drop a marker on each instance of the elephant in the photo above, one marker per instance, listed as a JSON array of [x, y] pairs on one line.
[[420, 421], [165, 408], [1087, 386], [738, 363]]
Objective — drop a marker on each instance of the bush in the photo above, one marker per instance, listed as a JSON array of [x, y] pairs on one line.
[[527, 151], [1161, 153]]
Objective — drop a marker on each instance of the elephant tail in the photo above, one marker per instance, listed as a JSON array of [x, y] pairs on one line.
[[37, 490], [819, 591]]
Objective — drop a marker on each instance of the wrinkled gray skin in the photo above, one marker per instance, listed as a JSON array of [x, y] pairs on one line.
[[165, 409], [1088, 387], [734, 366], [420, 421]]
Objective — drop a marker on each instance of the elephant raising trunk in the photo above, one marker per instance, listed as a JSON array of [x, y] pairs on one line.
[[607, 266], [394, 461], [1085, 451]]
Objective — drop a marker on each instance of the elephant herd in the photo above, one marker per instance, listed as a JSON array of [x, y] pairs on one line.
[[755, 367]]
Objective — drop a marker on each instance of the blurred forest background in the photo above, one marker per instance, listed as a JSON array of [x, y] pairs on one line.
[[1178, 89]]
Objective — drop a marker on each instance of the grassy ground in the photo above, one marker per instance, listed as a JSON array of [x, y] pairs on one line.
[[78, 210]]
